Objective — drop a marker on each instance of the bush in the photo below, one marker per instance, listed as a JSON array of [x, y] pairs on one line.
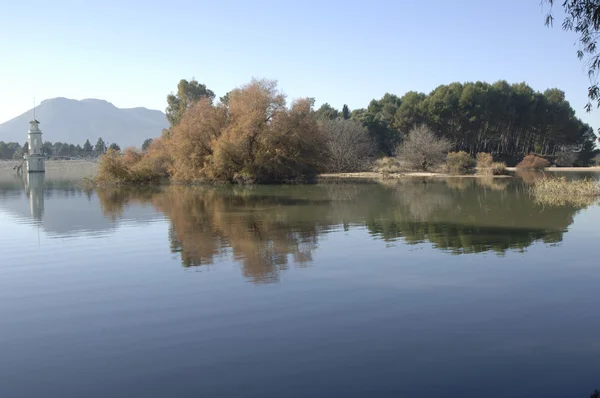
[[133, 167], [534, 162], [484, 160], [498, 169], [387, 165], [423, 149], [459, 162]]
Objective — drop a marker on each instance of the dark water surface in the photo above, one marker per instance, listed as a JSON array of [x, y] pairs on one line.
[[415, 288]]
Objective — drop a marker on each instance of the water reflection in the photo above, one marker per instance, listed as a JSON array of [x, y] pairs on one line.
[[34, 187], [62, 207], [268, 228]]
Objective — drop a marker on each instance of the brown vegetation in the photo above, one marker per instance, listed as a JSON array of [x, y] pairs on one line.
[[484, 160], [387, 165], [498, 169], [132, 167], [252, 138], [533, 162], [459, 162]]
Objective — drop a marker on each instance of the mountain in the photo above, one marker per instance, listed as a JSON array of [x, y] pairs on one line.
[[72, 121]]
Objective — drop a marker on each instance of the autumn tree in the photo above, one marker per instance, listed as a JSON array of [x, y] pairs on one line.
[[191, 143], [266, 142], [188, 92]]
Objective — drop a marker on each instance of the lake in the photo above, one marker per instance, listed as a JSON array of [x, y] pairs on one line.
[[408, 288]]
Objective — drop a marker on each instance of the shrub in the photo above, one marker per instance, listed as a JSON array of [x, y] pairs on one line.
[[459, 162], [484, 160], [350, 146], [423, 149], [498, 169], [387, 165], [132, 167], [534, 162]]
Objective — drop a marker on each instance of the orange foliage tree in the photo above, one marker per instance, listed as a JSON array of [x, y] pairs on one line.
[[252, 137]]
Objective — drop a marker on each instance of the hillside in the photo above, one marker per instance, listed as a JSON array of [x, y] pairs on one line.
[[73, 121]]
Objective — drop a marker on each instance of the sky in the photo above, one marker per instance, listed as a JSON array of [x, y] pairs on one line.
[[133, 53]]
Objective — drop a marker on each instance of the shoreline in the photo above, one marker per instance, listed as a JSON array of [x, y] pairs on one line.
[[372, 175], [85, 168]]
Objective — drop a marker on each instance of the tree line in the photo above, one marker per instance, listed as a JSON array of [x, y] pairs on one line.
[[507, 120], [251, 135], [14, 150]]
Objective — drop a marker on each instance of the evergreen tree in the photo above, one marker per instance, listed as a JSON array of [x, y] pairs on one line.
[[87, 147]]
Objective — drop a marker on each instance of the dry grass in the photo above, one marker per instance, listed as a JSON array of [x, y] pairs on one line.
[[388, 165], [498, 169], [561, 192], [484, 160]]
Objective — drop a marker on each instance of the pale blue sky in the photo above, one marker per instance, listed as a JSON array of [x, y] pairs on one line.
[[133, 53]]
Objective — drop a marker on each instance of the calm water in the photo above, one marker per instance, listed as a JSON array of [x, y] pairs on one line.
[[411, 289]]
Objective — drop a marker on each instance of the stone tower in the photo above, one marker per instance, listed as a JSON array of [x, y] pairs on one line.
[[35, 159]]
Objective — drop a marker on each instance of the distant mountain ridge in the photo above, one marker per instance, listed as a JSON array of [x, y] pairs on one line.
[[74, 121]]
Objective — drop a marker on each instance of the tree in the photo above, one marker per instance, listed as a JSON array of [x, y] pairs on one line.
[[47, 148], [423, 149], [225, 99], [100, 146], [63, 150], [350, 146], [87, 147], [115, 147], [566, 157], [583, 18], [187, 94], [146, 144], [345, 112], [266, 142], [327, 112], [5, 152]]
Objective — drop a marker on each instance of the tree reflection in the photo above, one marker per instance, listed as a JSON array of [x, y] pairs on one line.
[[268, 228]]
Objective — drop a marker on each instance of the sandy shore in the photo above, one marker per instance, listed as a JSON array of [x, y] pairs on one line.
[[375, 176], [84, 168], [580, 169]]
